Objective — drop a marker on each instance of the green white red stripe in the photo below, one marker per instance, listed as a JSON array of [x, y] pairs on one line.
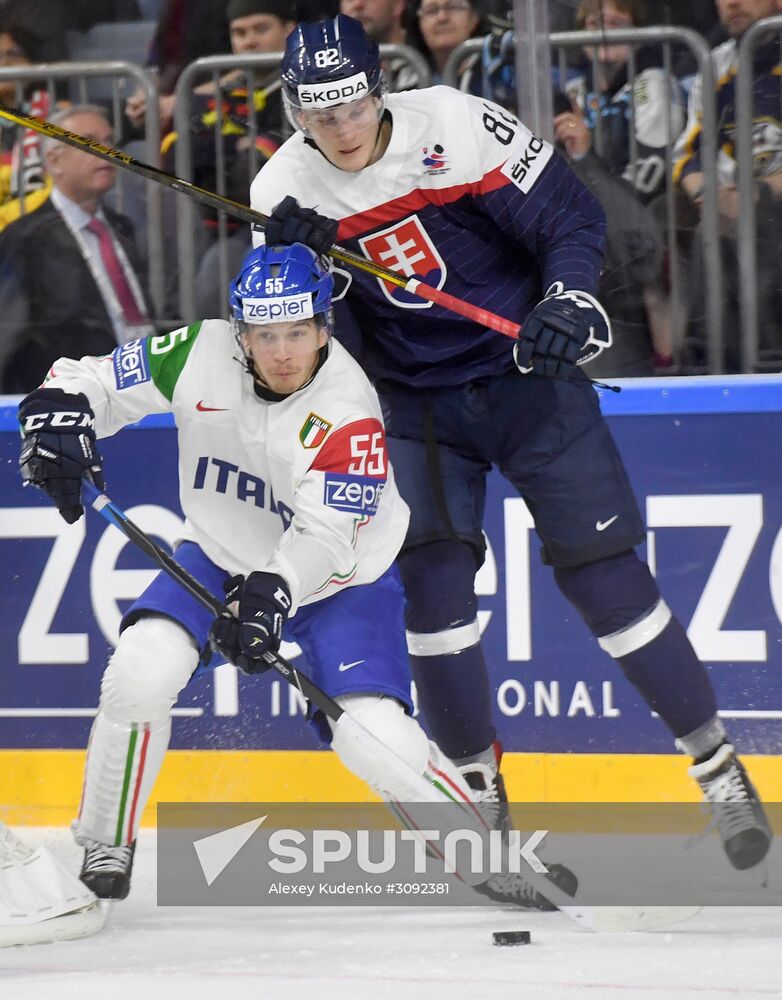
[[338, 579], [135, 760]]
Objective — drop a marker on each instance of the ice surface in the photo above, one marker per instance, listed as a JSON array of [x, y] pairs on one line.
[[286, 953]]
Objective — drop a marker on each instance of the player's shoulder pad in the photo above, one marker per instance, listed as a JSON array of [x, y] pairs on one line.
[[353, 462], [503, 141], [341, 387], [434, 100], [347, 404], [273, 180], [356, 447]]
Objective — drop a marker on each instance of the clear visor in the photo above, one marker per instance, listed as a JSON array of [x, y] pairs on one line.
[[328, 120], [276, 340]]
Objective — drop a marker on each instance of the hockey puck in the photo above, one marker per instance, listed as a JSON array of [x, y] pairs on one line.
[[511, 937]]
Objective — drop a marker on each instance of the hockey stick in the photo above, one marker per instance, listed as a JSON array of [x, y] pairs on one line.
[[433, 787], [112, 513], [428, 788], [412, 285]]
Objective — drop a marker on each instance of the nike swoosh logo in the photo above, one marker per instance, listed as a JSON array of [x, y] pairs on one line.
[[347, 666], [602, 525], [209, 409]]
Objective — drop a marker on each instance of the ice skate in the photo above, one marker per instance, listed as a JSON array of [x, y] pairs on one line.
[[106, 870], [489, 786], [484, 778], [737, 810], [515, 889]]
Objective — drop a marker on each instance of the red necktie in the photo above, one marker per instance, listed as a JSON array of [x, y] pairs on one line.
[[119, 282]]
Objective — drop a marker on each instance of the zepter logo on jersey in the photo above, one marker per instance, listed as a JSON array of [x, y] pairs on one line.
[[326, 95], [278, 310], [131, 366], [406, 248]]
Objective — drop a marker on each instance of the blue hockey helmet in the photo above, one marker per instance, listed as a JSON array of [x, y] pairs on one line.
[[282, 284], [327, 63]]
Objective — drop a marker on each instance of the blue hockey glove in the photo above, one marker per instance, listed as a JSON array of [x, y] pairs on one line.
[[252, 621], [58, 447], [566, 329], [290, 223]]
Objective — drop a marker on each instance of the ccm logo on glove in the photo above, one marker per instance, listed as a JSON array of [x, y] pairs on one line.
[[59, 447], [61, 418]]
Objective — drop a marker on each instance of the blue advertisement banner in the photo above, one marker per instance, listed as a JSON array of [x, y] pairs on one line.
[[704, 459]]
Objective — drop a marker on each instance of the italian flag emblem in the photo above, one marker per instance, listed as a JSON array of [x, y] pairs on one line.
[[313, 431]]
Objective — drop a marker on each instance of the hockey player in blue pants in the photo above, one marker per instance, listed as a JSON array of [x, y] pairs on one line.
[[458, 191]]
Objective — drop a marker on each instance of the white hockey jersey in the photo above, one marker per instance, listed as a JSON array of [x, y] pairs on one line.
[[468, 199], [300, 487]]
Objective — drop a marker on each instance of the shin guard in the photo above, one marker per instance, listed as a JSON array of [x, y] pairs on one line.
[[620, 602], [151, 664], [443, 640]]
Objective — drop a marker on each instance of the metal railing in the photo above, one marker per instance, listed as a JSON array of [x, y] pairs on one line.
[[665, 36], [188, 219], [77, 74], [747, 222], [212, 67], [412, 58]]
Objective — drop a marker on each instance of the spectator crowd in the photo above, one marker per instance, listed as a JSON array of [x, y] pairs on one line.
[[628, 117]]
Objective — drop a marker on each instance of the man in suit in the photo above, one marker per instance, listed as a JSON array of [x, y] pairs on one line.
[[69, 282]]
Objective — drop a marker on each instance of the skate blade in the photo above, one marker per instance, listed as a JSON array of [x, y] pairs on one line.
[[761, 874], [625, 919]]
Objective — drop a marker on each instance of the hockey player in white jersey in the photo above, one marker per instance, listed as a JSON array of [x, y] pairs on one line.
[[287, 490]]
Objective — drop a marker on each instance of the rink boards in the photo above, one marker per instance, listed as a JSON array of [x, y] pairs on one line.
[[704, 458]]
